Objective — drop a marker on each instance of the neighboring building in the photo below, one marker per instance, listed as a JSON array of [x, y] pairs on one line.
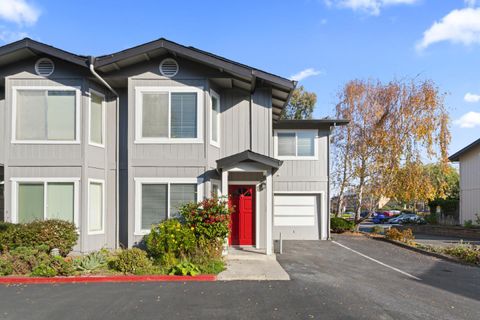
[[469, 160], [116, 143]]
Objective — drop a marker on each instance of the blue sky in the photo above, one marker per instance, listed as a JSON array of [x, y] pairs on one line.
[[333, 41]]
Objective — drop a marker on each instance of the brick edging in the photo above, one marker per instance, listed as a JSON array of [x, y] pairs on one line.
[[100, 279]]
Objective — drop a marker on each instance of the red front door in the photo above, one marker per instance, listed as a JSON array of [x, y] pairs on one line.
[[242, 226]]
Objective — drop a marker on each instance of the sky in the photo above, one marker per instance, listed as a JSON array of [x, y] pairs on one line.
[[321, 43]]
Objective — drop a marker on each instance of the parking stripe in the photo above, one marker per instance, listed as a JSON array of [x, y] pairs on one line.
[[379, 262]]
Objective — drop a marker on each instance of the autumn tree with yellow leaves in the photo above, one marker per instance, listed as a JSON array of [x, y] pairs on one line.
[[394, 127]]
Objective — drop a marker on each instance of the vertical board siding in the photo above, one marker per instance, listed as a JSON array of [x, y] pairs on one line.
[[235, 121], [470, 185], [262, 121]]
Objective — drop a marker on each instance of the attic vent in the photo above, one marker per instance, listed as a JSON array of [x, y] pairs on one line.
[[44, 67], [168, 67]]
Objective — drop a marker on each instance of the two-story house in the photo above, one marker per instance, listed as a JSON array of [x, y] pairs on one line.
[[117, 143]]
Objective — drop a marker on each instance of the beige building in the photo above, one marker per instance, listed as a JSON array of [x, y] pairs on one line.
[[469, 160]]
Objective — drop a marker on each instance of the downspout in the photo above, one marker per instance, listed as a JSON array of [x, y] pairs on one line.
[[117, 155]]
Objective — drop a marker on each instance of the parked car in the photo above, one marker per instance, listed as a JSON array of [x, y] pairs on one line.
[[363, 214], [415, 220], [379, 218], [401, 218]]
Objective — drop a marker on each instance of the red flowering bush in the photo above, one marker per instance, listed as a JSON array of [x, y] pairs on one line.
[[209, 219]]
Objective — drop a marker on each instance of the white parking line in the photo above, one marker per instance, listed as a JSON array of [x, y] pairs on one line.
[[379, 262]]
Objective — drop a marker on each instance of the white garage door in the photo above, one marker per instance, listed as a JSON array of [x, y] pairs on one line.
[[295, 210]]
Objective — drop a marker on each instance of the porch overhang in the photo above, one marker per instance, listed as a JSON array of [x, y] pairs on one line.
[[248, 156]]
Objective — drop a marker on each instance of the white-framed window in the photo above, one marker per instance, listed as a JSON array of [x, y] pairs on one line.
[[96, 119], [45, 115], [214, 118], [45, 198], [168, 115], [157, 199], [296, 144], [96, 206]]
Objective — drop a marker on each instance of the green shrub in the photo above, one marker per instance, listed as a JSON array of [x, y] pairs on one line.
[[431, 218], [185, 269], [170, 237], [212, 267], [468, 223], [43, 270], [50, 233], [62, 266], [25, 259], [340, 225], [470, 254], [91, 262], [209, 219], [6, 267], [132, 261]]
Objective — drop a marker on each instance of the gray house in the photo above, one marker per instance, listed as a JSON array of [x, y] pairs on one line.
[[469, 160], [118, 142]]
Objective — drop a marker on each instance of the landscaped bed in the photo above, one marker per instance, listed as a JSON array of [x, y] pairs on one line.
[[176, 249], [463, 252]]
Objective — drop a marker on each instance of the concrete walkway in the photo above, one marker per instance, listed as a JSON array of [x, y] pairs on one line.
[[251, 264]]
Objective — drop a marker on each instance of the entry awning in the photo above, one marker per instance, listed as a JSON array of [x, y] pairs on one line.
[[249, 156]]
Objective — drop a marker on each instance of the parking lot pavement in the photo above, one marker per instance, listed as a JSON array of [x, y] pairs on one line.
[[329, 281]]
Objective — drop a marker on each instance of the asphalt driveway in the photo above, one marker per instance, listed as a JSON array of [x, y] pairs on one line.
[[329, 281]]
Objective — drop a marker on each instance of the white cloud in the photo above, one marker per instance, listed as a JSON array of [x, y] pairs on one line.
[[471, 97], [10, 36], [19, 11], [469, 120], [372, 7], [459, 26], [310, 72]]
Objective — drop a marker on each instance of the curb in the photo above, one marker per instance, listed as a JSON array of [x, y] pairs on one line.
[[104, 279], [428, 253]]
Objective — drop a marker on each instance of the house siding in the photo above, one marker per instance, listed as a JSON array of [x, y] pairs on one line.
[[79, 160], [306, 176], [470, 185]]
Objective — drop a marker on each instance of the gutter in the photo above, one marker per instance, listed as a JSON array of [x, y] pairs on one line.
[[91, 61]]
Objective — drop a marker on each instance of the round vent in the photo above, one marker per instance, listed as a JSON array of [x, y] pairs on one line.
[[44, 67], [168, 67]]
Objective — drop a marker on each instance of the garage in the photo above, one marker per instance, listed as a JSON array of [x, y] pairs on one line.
[[296, 216]]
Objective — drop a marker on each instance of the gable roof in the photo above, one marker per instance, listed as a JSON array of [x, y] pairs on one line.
[[27, 47], [249, 155], [193, 53], [242, 75], [456, 156]]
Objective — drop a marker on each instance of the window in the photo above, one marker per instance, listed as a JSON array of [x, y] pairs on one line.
[[41, 200], [96, 206], [97, 119], [45, 115], [160, 199], [215, 119], [296, 144], [168, 115]]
